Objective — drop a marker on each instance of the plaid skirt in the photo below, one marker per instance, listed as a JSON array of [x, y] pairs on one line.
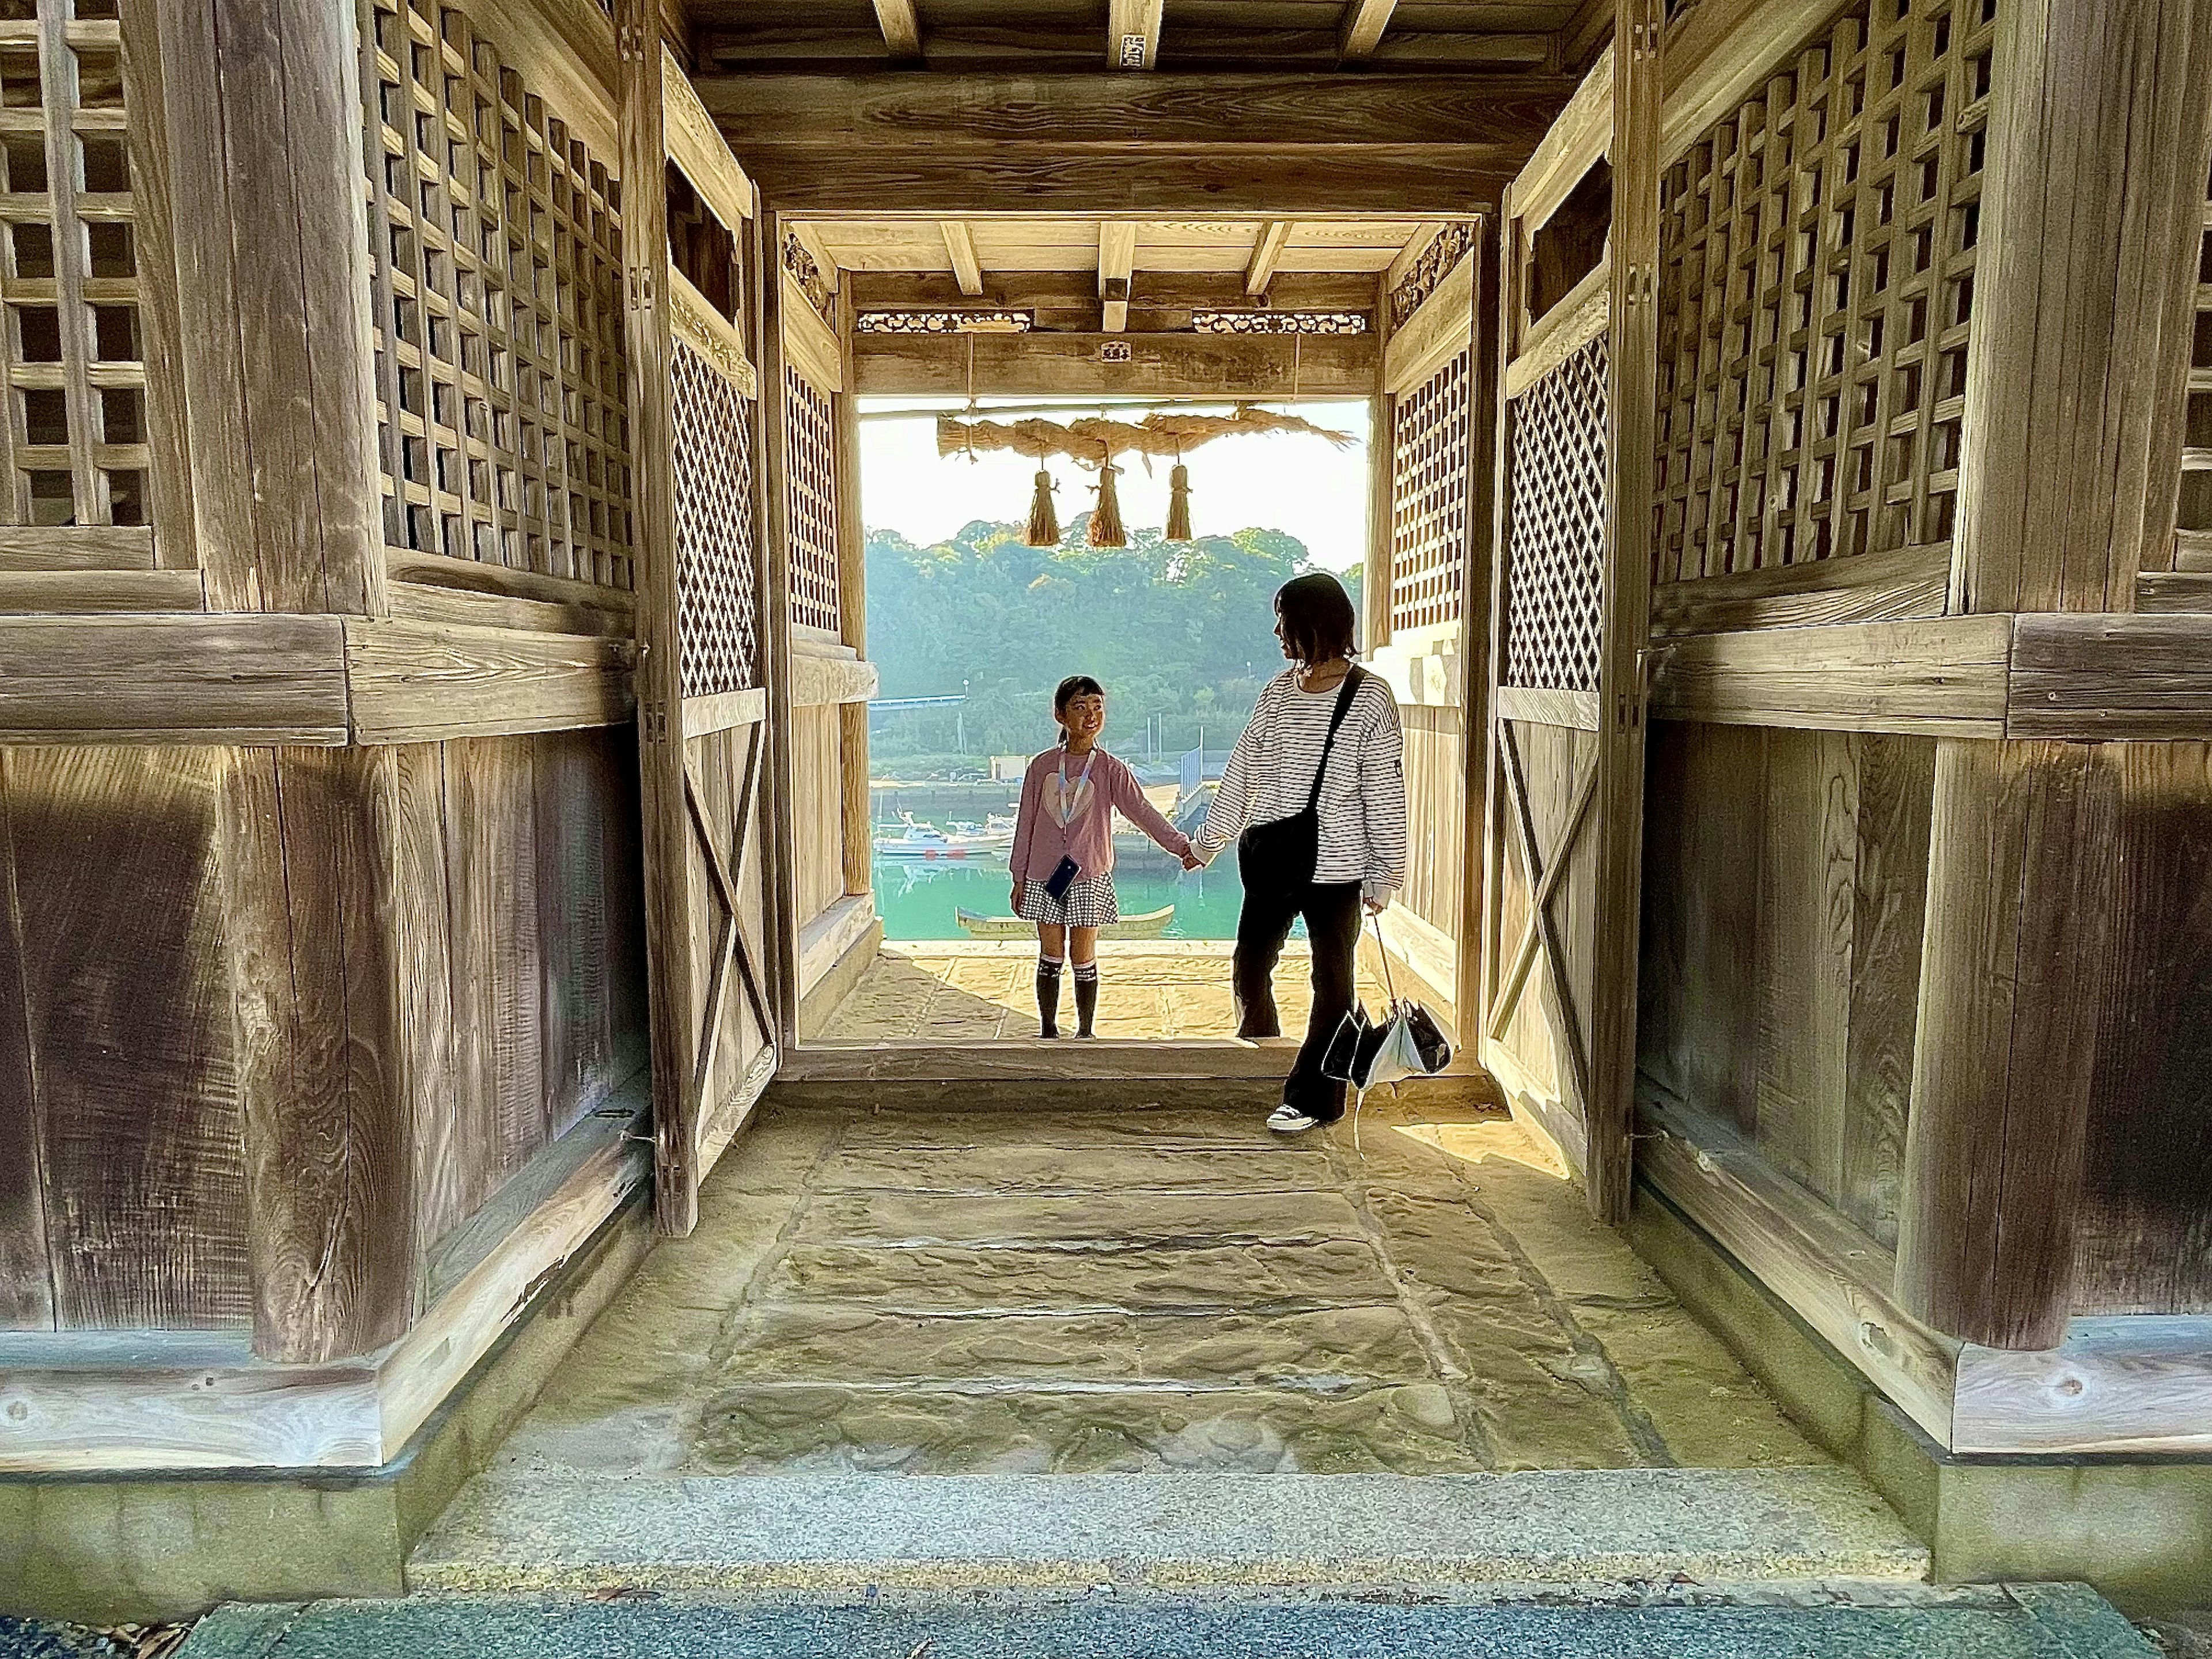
[[1088, 902]]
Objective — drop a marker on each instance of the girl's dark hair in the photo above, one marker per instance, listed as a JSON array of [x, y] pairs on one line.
[[1074, 686], [1317, 621]]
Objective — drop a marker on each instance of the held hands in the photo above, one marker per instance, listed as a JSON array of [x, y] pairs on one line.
[[1191, 860]]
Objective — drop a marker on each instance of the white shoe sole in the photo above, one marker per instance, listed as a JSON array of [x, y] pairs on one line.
[[1294, 1125]]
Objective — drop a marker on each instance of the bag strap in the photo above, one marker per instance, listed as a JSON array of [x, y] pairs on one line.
[[1383, 949], [1352, 681]]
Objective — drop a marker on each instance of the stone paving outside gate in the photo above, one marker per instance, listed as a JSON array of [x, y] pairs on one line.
[[1158, 1289]]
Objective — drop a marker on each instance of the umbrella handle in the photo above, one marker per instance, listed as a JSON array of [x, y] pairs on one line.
[[1383, 949]]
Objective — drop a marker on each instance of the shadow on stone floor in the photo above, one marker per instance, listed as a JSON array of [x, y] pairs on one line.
[[1158, 1289]]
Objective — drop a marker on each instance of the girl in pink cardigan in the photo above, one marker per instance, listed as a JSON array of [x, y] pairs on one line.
[[1063, 856]]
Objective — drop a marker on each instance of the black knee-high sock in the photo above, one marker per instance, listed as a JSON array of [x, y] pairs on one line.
[[1047, 989], [1087, 997]]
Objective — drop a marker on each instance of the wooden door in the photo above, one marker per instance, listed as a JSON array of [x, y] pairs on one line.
[[691, 257], [1572, 580]]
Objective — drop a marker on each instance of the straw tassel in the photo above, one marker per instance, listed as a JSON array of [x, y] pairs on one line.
[[1106, 518], [1044, 522], [1179, 503]]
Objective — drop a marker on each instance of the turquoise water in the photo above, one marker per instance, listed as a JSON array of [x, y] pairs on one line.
[[916, 900]]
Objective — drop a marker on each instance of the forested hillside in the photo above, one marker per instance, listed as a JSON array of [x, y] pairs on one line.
[[1179, 633]]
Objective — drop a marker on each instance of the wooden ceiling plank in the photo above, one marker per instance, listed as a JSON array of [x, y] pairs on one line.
[[1266, 249], [901, 28], [960, 247], [1363, 24], [1117, 263], [1132, 33]]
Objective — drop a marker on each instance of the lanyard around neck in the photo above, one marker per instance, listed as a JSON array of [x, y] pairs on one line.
[[1081, 778]]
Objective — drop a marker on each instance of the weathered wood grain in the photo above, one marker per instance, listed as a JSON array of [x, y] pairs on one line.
[[1500, 115], [493, 867], [1833, 1278], [176, 679], [435, 571], [1158, 366], [2167, 591], [126, 995], [2118, 677], [819, 680], [1908, 583], [419, 682], [1434, 333], [456, 607], [2125, 1386], [1192, 180], [76, 547], [1934, 677], [2144, 1238], [321, 1047], [2014, 964], [27, 1279], [92, 592], [808, 345], [448, 1146]]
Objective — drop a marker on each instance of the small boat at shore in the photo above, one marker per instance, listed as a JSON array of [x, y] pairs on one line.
[[1149, 924], [917, 840]]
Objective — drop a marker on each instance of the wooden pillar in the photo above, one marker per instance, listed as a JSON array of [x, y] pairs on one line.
[[1375, 574], [853, 613], [1617, 807], [2089, 225], [2013, 964], [262, 119], [1484, 486], [780, 841]]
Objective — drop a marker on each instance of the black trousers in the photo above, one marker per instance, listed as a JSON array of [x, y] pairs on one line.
[[1332, 912]]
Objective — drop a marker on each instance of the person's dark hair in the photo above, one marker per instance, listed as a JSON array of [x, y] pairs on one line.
[[1074, 686], [1317, 620]]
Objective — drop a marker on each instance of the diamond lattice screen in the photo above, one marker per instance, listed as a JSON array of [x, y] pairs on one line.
[[1816, 298], [810, 455], [1428, 498], [1555, 550], [712, 458], [498, 299], [76, 451]]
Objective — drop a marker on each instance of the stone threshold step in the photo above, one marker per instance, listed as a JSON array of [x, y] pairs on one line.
[[2036, 1622], [781, 1535]]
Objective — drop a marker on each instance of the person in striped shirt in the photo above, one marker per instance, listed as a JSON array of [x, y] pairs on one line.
[[1314, 795]]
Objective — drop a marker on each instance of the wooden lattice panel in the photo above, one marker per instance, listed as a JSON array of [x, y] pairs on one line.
[[1816, 298], [75, 435], [1555, 552], [810, 460], [2193, 543], [1428, 499], [497, 249], [712, 458]]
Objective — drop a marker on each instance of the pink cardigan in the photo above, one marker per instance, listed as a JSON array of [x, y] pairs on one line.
[[1040, 843]]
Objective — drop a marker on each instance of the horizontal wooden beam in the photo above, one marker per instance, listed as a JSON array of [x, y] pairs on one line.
[[457, 607], [2118, 677], [1577, 710], [414, 681], [473, 576], [1828, 1273], [76, 547], [1195, 45], [94, 593], [2169, 592], [1159, 365], [697, 148], [1909, 582], [1188, 181], [824, 941], [2135, 1384], [1944, 678], [1064, 299], [809, 344], [226, 679], [1103, 1058], [1500, 118], [724, 710], [818, 679], [1723, 49]]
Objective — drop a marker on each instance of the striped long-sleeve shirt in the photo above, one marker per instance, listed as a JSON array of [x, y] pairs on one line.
[[1363, 798]]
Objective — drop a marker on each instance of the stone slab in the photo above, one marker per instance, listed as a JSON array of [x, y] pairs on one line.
[[1167, 1533]]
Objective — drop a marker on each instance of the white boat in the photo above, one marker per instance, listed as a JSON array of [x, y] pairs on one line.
[[961, 841]]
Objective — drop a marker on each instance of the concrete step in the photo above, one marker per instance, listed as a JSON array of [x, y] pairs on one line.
[[1175, 1533], [2041, 1622]]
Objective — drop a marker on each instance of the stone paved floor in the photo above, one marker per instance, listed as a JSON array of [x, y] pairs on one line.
[[1161, 1289], [973, 992]]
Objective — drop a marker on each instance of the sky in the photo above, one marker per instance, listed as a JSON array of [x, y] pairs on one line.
[[1306, 486]]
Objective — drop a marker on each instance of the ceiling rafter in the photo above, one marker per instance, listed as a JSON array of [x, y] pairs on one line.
[[960, 247], [1363, 24], [1266, 249], [901, 28], [1117, 263], [1132, 33]]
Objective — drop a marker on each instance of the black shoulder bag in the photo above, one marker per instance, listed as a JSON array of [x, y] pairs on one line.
[[1283, 854]]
